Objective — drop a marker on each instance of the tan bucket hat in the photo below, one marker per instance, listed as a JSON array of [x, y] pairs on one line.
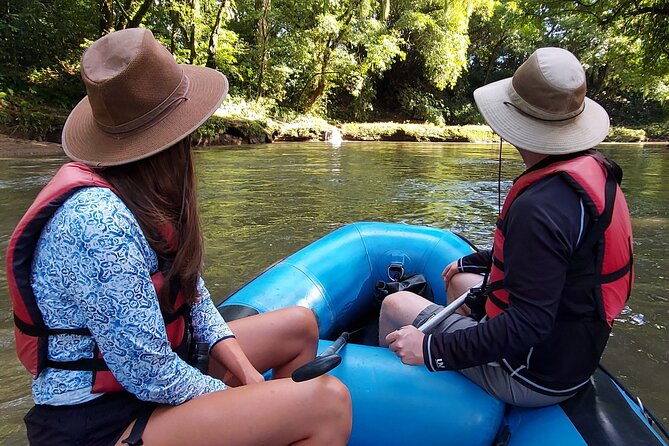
[[543, 108], [140, 101]]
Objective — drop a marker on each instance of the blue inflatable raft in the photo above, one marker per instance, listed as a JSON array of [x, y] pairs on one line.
[[396, 404]]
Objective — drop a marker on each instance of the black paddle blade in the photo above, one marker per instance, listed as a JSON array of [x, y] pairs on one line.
[[316, 368]]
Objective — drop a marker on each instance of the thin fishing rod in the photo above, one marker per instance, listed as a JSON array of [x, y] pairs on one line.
[[499, 179]]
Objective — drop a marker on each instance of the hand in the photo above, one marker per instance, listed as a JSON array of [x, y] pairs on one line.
[[407, 343], [229, 363], [251, 376], [450, 270]]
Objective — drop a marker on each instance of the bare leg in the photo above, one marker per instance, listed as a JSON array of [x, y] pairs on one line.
[[458, 285], [280, 412], [402, 308], [399, 309], [283, 340]]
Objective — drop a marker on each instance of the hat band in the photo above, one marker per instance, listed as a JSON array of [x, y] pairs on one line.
[[154, 115], [528, 109], [540, 119]]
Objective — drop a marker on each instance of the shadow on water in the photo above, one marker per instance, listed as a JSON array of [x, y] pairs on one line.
[[260, 204]]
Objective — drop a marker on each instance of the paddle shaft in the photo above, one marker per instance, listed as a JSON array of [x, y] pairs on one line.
[[446, 311], [336, 345], [329, 358]]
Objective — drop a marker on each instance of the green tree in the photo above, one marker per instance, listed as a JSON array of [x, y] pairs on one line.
[[438, 31], [610, 40], [300, 52]]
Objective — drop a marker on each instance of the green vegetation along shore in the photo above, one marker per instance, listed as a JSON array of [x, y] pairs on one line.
[[363, 69], [240, 122], [221, 130]]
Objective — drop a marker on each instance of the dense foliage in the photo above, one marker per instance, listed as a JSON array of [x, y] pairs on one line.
[[349, 60]]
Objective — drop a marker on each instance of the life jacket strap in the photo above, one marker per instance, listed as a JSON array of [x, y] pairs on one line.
[[490, 292], [88, 364], [135, 437], [602, 222], [39, 331], [183, 310], [582, 257]]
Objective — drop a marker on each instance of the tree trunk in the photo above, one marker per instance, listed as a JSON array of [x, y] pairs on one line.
[[263, 36], [491, 59], [174, 17], [139, 15], [124, 17], [385, 9], [213, 38], [316, 94], [195, 14], [347, 16], [106, 16]]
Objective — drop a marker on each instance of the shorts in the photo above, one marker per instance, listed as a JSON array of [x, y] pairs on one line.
[[491, 377], [99, 422]]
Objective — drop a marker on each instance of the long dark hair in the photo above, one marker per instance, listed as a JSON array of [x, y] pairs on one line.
[[161, 193]]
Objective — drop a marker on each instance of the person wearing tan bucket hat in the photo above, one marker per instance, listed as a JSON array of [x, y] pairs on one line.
[[560, 269], [112, 317]]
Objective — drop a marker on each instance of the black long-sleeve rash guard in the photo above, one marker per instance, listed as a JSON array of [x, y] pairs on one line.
[[476, 262], [543, 228]]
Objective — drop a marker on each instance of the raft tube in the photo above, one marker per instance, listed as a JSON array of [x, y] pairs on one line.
[[396, 404]]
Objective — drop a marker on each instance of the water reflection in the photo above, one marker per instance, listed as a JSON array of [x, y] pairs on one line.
[[260, 204]]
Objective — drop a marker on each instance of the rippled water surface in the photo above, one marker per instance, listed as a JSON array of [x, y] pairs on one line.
[[262, 203]]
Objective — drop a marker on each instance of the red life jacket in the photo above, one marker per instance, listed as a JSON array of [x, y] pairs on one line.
[[608, 242], [30, 330]]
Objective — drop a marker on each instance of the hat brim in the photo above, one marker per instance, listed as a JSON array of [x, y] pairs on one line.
[[582, 132], [83, 140]]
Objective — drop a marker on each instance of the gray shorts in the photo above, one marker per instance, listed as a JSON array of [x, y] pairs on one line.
[[491, 377]]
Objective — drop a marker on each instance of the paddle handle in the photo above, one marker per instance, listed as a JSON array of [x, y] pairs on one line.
[[445, 312], [323, 363]]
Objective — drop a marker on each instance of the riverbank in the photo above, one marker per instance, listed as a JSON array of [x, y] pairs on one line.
[[13, 147], [17, 147], [225, 130], [232, 130], [239, 121]]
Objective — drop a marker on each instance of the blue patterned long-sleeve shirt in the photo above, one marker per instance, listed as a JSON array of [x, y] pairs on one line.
[[92, 268]]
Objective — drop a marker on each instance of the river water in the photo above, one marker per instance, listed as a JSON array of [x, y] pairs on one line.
[[262, 203]]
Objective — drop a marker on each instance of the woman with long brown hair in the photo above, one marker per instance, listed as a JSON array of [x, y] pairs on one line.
[[112, 316]]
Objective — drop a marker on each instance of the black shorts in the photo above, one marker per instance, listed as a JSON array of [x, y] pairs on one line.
[[99, 422]]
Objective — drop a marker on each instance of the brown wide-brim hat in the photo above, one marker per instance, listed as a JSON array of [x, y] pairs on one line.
[[139, 102], [543, 107]]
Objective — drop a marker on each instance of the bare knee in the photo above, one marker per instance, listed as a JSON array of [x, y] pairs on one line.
[[326, 413], [337, 390], [393, 304], [303, 323], [460, 283], [335, 398]]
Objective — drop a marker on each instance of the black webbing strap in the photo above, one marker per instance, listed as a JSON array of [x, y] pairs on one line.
[[612, 277], [498, 263], [583, 255], [33, 330], [589, 281], [631, 278], [92, 364], [495, 286], [135, 437], [183, 310], [604, 220]]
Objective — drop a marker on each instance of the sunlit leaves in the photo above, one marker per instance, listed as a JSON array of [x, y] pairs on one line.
[[438, 31], [427, 55]]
